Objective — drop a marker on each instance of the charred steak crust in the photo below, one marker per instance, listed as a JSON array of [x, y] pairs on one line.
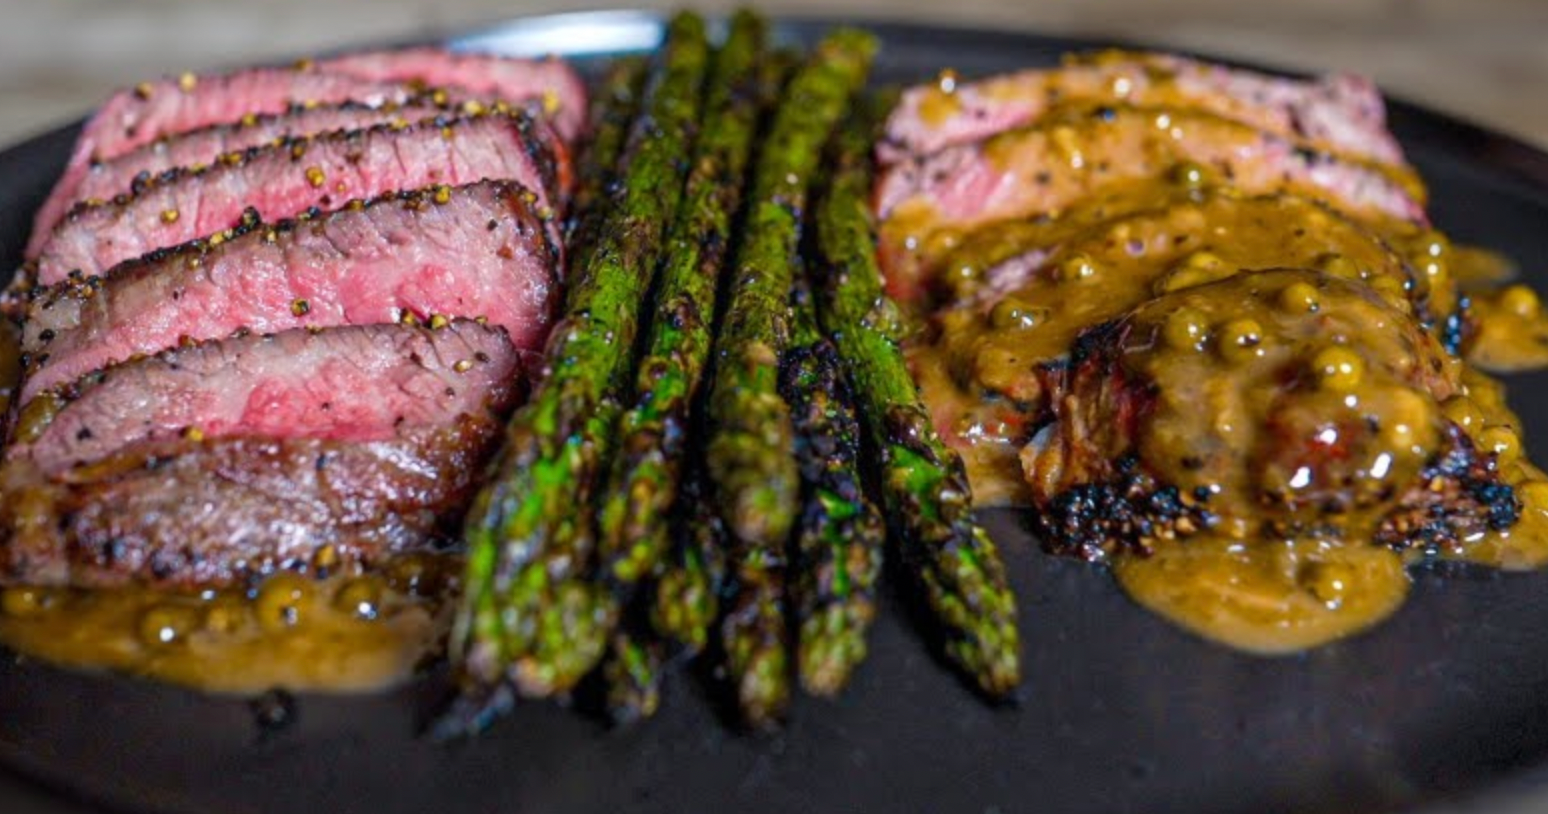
[[1099, 488], [1458, 495], [474, 251], [1131, 510], [185, 513], [355, 383], [293, 175]]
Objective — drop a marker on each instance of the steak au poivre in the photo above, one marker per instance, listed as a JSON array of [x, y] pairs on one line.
[[1195, 316]]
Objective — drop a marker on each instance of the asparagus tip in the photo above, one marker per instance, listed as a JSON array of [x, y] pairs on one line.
[[471, 711]]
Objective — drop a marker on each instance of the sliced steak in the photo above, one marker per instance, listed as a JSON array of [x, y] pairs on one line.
[[283, 179], [105, 180], [362, 383], [1059, 162], [137, 116], [1339, 113], [551, 81], [475, 251], [211, 512]]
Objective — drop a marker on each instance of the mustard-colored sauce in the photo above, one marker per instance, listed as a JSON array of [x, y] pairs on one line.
[[1135, 258], [341, 634], [1270, 597], [1512, 333], [1295, 387], [939, 103]]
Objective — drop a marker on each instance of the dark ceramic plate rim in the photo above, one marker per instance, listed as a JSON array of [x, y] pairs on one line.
[[1507, 158]]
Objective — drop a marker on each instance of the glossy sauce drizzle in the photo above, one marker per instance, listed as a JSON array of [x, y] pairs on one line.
[[340, 634]]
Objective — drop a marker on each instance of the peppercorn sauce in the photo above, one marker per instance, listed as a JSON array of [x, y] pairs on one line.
[[1266, 329]]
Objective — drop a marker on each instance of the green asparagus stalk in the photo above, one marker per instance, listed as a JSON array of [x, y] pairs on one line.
[[635, 514], [613, 109], [636, 507], [611, 112], [750, 455], [840, 533], [687, 597], [632, 676], [687, 594], [926, 491], [522, 618]]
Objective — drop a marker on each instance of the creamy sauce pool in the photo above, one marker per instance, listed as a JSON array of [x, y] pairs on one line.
[[341, 634], [1282, 596]]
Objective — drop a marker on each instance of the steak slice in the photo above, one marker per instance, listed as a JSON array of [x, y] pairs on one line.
[[1059, 162], [105, 180], [358, 383], [475, 251], [183, 512], [1339, 113], [294, 175], [134, 117], [137, 116], [152, 110], [551, 81]]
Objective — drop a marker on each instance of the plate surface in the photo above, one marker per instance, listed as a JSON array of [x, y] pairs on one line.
[[1121, 712]]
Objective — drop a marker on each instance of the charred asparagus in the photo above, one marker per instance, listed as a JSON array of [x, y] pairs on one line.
[[926, 491], [687, 594], [613, 108], [522, 619], [634, 517], [840, 533], [750, 455]]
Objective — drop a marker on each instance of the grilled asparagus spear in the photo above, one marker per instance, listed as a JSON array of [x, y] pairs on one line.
[[612, 111], [750, 455], [522, 619], [632, 676], [926, 491], [687, 594], [633, 520], [840, 533], [635, 514]]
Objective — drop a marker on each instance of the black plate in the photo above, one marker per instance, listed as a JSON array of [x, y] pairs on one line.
[[1122, 712]]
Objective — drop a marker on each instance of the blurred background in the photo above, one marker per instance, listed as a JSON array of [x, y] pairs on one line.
[[1485, 60]]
